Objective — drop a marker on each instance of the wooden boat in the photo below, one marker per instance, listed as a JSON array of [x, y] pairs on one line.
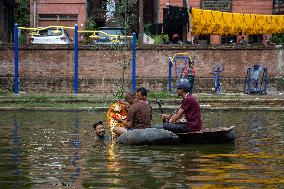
[[209, 135], [158, 136]]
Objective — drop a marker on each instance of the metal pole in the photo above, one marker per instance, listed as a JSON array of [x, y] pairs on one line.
[[16, 63], [265, 80], [170, 76], [134, 62], [218, 81], [76, 60], [248, 80], [35, 14], [215, 82], [141, 20]]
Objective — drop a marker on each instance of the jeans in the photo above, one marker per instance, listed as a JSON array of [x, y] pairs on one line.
[[176, 128]]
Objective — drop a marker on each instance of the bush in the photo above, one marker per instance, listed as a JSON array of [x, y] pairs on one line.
[[160, 39], [90, 25], [278, 39], [22, 39]]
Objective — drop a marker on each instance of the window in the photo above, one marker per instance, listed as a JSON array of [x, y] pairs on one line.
[[58, 17], [228, 39], [255, 39], [278, 6], [204, 39], [50, 32]]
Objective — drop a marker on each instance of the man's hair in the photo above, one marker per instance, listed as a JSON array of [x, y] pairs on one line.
[[98, 123], [142, 90], [175, 37], [129, 95]]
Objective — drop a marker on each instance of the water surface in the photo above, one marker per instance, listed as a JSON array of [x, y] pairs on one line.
[[58, 150]]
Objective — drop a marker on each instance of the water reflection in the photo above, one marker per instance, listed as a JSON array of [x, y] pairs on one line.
[[15, 151], [57, 150], [75, 142], [13, 172]]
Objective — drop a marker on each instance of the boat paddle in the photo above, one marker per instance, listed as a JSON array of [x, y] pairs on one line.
[[158, 101]]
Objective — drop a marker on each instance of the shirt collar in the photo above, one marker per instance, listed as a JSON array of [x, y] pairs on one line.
[[186, 95]]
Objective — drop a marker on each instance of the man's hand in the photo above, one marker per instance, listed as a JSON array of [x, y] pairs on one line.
[[176, 116], [121, 121], [165, 117], [123, 102]]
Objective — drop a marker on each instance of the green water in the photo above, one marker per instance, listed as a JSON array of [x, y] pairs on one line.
[[58, 150]]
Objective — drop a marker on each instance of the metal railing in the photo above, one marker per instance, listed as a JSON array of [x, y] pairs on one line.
[[35, 31]]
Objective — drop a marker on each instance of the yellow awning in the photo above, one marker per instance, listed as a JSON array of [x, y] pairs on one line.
[[207, 22]]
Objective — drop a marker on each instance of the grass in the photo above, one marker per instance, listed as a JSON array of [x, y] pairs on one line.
[[162, 95], [70, 101]]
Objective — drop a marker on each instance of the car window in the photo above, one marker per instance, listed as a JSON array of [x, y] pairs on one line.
[[102, 34], [50, 32], [114, 31]]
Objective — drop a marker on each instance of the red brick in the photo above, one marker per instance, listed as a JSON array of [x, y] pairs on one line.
[[100, 70], [77, 7]]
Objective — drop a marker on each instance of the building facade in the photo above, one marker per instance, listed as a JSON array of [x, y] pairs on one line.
[[150, 14], [68, 12], [57, 12]]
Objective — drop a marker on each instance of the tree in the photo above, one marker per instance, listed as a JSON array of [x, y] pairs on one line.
[[127, 10], [22, 13]]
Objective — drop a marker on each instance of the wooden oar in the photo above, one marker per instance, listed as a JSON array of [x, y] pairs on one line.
[[158, 101]]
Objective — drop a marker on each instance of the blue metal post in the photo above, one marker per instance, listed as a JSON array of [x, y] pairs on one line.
[[133, 62], [76, 43], [215, 82], [170, 76], [265, 80], [218, 81], [15, 150], [249, 80], [16, 63], [246, 79]]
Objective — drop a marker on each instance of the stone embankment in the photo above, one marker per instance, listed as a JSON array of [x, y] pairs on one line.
[[87, 103], [259, 102]]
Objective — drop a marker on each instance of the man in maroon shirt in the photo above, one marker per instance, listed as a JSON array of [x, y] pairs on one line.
[[189, 108]]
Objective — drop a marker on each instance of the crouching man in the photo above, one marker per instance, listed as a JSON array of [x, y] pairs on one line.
[[138, 117]]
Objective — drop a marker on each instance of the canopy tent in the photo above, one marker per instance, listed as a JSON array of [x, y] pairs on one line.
[[207, 22]]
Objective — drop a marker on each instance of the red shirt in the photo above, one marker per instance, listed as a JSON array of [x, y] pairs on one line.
[[192, 113]]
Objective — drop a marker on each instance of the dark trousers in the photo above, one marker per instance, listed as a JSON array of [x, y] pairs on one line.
[[176, 128]]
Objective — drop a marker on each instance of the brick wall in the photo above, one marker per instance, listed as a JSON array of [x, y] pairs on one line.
[[51, 69], [253, 6], [67, 7], [194, 3]]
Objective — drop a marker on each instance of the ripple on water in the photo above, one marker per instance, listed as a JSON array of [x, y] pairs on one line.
[[53, 149]]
